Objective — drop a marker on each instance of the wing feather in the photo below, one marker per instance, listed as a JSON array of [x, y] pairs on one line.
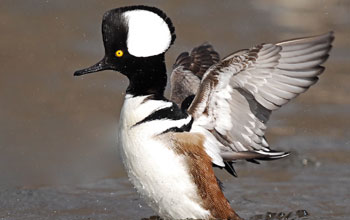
[[188, 70], [237, 95]]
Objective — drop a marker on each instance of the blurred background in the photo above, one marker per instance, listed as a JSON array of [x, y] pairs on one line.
[[56, 129]]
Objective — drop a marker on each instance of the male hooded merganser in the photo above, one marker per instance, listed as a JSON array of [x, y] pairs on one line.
[[168, 150]]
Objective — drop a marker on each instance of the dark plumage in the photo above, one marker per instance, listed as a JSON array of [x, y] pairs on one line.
[[188, 71]]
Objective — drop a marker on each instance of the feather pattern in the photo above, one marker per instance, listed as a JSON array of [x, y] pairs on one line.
[[188, 71], [237, 95]]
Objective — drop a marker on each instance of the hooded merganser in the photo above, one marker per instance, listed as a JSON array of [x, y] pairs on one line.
[[168, 150]]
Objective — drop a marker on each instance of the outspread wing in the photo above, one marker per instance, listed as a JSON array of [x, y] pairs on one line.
[[188, 71], [237, 95]]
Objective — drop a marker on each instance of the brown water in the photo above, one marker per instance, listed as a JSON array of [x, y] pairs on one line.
[[58, 147]]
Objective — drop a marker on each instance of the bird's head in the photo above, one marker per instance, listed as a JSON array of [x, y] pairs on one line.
[[135, 40]]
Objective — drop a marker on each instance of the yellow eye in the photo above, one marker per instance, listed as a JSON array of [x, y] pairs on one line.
[[119, 53]]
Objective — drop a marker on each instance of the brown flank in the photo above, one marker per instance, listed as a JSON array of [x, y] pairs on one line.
[[191, 146]]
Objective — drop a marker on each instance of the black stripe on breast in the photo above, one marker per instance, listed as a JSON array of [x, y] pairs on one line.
[[185, 127], [173, 113]]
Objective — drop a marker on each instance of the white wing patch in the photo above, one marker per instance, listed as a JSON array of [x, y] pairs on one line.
[[148, 33], [211, 145], [222, 101]]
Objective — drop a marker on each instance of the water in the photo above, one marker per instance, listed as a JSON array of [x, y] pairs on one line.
[[59, 157]]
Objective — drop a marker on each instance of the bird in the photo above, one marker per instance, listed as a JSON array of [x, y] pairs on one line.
[[216, 114]]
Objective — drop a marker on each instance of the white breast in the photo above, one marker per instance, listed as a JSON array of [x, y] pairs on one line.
[[159, 174]]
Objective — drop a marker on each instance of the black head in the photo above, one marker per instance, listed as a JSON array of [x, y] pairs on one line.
[[135, 40]]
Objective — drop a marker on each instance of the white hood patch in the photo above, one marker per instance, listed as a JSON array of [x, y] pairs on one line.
[[148, 33]]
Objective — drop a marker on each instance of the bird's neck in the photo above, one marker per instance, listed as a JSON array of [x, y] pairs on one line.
[[148, 78]]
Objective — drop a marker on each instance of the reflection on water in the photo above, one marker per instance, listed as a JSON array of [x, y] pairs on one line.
[[57, 129]]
